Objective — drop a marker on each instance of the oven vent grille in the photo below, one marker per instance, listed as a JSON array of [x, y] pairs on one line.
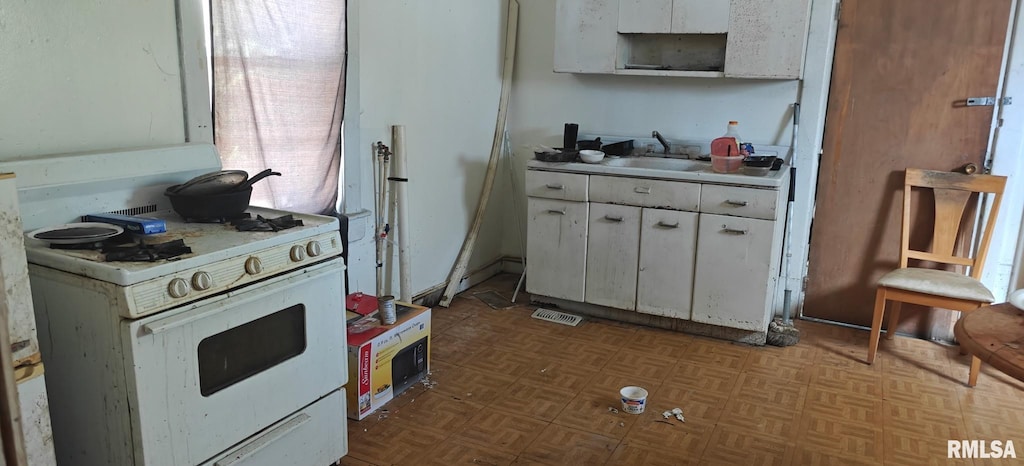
[[135, 210], [557, 317]]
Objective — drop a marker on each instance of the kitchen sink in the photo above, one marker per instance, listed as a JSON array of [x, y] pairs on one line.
[[657, 163]]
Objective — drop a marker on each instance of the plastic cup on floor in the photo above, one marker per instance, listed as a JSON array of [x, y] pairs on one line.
[[633, 399]]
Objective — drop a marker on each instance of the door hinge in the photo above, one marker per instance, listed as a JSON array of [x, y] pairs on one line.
[[839, 10], [805, 283], [987, 101]]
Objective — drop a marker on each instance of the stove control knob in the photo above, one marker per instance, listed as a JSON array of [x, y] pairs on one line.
[[313, 249], [253, 265], [202, 281], [178, 288], [297, 253]]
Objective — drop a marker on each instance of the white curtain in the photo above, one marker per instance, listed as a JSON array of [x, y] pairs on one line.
[[279, 82]]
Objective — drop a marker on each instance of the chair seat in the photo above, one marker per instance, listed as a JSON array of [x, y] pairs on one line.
[[937, 282]]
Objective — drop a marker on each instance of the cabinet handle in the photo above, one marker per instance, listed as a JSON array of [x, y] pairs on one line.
[[736, 203], [613, 219], [642, 189], [733, 231], [668, 225], [557, 212], [555, 186]]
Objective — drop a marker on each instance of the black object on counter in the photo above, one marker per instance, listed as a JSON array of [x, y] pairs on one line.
[[572, 131], [624, 148], [589, 144], [557, 156]]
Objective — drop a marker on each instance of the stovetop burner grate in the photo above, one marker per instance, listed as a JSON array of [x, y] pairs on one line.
[[142, 252], [260, 223]]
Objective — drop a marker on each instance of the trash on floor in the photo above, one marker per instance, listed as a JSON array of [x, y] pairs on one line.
[[613, 410], [557, 317]]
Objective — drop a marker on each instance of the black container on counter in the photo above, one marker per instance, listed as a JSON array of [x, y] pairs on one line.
[[572, 130]]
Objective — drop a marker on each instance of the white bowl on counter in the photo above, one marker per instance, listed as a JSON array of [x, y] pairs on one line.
[[592, 156]]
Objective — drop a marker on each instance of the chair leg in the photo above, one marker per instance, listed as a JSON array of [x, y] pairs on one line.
[[972, 379], [894, 320], [876, 324]]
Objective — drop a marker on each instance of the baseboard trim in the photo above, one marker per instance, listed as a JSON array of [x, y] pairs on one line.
[[431, 296]]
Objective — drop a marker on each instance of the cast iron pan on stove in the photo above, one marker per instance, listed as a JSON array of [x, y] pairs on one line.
[[225, 204]]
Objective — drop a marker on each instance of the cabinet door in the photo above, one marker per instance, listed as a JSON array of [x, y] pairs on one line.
[[766, 38], [732, 277], [645, 16], [613, 250], [585, 37], [556, 248], [668, 244], [699, 17]]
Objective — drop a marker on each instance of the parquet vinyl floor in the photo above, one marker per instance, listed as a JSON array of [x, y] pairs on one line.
[[509, 389]]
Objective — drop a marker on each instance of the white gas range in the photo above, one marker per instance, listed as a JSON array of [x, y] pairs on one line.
[[232, 354]]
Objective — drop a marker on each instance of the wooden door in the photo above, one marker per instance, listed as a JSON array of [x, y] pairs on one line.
[[902, 72], [668, 245], [556, 243], [613, 251]]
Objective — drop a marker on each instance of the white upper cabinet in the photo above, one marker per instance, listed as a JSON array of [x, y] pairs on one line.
[[767, 38], [585, 35], [645, 16], [763, 39], [673, 16], [700, 16]]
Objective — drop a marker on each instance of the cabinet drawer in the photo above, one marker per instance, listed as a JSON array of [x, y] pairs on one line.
[[552, 185], [645, 193], [739, 202]]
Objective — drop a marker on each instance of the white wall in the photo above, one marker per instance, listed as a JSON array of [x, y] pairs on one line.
[[78, 76], [633, 106], [434, 67]]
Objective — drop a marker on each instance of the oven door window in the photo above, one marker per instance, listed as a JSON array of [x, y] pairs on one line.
[[236, 354]]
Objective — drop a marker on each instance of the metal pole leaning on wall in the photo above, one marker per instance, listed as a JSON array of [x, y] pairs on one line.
[[399, 176], [462, 261]]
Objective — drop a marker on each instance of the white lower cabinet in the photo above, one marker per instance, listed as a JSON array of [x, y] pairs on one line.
[[733, 279], [556, 248], [678, 250], [668, 245], [612, 255]]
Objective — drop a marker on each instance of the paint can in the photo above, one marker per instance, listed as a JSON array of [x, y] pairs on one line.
[[386, 309]]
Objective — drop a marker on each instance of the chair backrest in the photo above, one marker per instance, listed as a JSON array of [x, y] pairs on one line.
[[952, 193]]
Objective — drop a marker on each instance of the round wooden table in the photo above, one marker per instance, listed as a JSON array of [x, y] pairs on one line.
[[995, 334]]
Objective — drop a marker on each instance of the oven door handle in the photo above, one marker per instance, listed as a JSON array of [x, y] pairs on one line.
[[163, 325], [245, 451]]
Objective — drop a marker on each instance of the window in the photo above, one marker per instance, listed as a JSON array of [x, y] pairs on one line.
[[278, 87]]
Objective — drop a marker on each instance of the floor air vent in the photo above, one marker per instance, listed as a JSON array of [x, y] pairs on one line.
[[557, 317]]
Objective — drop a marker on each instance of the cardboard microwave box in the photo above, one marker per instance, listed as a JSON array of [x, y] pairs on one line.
[[384, 360]]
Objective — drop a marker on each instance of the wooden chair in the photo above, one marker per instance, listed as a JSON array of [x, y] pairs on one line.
[[939, 288]]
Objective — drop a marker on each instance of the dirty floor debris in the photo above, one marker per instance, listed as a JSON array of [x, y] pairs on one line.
[[541, 393]]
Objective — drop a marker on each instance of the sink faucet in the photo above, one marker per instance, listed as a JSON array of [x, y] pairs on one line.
[[661, 139]]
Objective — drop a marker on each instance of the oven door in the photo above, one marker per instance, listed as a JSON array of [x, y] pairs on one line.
[[211, 374]]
